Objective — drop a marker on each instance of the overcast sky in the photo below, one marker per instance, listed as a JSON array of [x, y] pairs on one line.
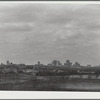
[[30, 32]]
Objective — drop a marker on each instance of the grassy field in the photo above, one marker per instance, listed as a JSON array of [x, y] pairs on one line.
[[28, 82]]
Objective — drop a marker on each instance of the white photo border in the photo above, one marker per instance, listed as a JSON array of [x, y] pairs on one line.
[[49, 94]]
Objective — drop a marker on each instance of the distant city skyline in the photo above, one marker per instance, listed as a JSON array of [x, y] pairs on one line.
[[67, 63], [31, 32]]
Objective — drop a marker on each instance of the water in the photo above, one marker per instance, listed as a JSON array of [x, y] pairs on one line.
[[23, 82]]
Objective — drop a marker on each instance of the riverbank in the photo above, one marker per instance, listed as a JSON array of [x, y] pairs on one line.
[[28, 82]]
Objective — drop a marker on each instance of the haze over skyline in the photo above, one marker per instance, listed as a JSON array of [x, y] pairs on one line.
[[31, 32]]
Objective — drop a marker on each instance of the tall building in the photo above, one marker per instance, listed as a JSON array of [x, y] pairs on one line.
[[59, 63], [8, 63], [68, 63], [38, 62], [76, 64], [54, 63], [89, 66]]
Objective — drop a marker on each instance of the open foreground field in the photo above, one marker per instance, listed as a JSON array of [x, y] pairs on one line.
[[28, 82]]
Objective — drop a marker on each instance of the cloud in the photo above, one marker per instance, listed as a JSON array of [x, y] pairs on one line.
[[32, 31], [15, 27]]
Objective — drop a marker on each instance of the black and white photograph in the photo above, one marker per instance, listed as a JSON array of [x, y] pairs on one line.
[[49, 46]]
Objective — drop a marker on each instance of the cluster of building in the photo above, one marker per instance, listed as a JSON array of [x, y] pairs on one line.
[[54, 63], [53, 67], [68, 63]]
